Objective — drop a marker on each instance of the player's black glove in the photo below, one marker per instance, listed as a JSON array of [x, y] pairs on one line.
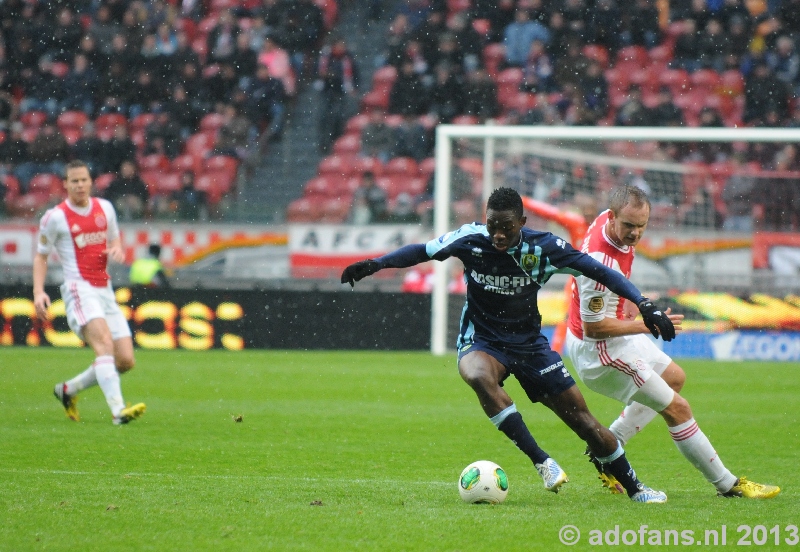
[[359, 270], [656, 321]]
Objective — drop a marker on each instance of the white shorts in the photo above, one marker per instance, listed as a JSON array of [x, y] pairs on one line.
[[84, 302], [626, 368]]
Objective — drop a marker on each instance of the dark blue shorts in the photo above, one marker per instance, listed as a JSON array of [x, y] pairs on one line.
[[540, 371]]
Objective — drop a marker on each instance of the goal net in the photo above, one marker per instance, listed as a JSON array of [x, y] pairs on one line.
[[713, 183]]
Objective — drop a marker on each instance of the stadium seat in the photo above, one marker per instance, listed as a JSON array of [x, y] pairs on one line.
[[732, 82], [320, 186], [456, 6], [33, 118], [150, 178], [411, 185], [483, 27], [213, 185], [154, 162], [186, 26], [303, 210], [212, 122], [102, 181], [46, 184], [28, 206], [110, 120], [330, 12], [660, 54], [335, 164], [384, 77], [220, 5], [360, 165], [676, 79], [29, 134], [617, 79], [200, 47], [598, 53], [11, 184], [167, 183], [186, 162], [647, 79], [348, 144], [465, 120], [508, 81], [493, 55], [401, 166], [375, 99], [222, 179], [221, 163], [59, 69], [141, 121], [356, 123], [334, 210], [199, 144], [705, 79], [71, 119], [72, 135], [393, 120], [632, 54], [521, 102], [427, 166]]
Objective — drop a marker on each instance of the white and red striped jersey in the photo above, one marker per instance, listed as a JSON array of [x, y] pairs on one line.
[[591, 300], [80, 236]]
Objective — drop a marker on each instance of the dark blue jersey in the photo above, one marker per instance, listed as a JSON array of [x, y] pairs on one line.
[[502, 286]]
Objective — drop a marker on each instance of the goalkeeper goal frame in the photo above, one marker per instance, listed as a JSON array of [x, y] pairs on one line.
[[490, 133]]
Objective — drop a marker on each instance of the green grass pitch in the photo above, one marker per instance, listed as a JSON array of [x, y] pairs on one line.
[[357, 451]]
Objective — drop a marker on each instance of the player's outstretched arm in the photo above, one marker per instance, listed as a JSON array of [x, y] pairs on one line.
[[613, 327], [408, 255]]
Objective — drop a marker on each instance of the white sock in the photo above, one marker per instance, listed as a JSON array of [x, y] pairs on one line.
[[631, 421], [84, 380], [697, 449], [108, 379]]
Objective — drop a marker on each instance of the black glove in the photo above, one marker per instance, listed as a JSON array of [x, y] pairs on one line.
[[359, 270], [656, 321]]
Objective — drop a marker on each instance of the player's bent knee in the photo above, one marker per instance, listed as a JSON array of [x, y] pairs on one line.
[[125, 364], [678, 410], [674, 376]]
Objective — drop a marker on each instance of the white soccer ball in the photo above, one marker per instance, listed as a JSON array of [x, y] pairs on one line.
[[483, 482]]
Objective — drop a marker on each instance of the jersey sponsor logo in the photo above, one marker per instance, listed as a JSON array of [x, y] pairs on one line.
[[505, 285], [529, 262], [90, 238], [555, 366], [596, 304], [100, 221]]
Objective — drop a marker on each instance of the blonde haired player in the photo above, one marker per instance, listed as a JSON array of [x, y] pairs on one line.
[[613, 355], [83, 231]]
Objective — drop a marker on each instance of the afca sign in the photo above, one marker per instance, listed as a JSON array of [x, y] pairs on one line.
[[784, 346]]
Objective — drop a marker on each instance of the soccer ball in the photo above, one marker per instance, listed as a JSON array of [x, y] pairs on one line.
[[483, 482]]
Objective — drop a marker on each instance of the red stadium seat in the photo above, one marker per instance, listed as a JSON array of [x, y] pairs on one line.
[[200, 47], [334, 210], [11, 184], [361, 165], [150, 178], [154, 162], [647, 79], [140, 122], [33, 118], [465, 120], [660, 54], [483, 27], [46, 184], [632, 54], [110, 120], [222, 179], [597, 53], [72, 135], [375, 99], [29, 134], [508, 82], [167, 183], [732, 82], [199, 144], [403, 166], [303, 210], [320, 186], [330, 12], [186, 26], [493, 56], [356, 123], [705, 79], [383, 77], [676, 79], [427, 166], [72, 119], [221, 163], [102, 181], [212, 122], [28, 206], [214, 185], [348, 144], [187, 163], [337, 165], [393, 120], [59, 69], [456, 6]]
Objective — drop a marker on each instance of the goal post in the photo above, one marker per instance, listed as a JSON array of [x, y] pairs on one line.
[[586, 158]]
